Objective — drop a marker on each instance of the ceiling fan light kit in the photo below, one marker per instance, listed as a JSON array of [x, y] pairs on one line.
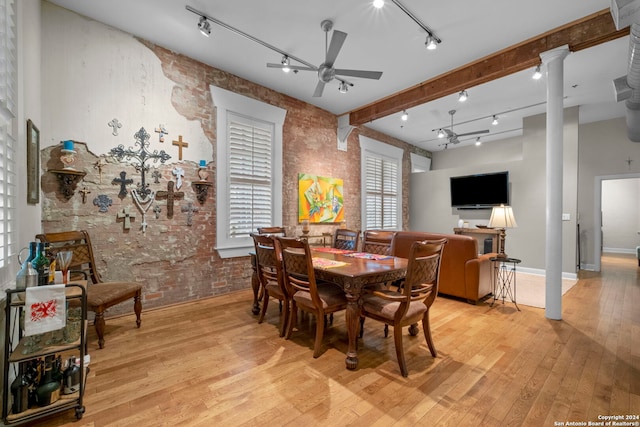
[[452, 137]]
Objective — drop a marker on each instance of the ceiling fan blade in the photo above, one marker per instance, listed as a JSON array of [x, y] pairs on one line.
[[360, 73], [319, 89], [337, 39], [474, 133], [293, 67], [449, 132]]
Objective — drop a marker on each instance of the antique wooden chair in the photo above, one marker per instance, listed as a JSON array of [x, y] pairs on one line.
[[318, 298], [377, 241], [100, 295], [274, 231], [269, 267], [411, 303], [346, 239]]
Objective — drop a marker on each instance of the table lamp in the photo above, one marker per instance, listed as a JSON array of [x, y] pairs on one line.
[[501, 219]]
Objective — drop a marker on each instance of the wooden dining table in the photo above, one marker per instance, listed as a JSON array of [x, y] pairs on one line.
[[354, 271]]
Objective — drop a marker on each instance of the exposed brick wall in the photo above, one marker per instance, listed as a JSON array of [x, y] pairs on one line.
[[176, 262]]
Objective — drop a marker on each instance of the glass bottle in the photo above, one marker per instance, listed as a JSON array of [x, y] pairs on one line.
[[49, 389], [20, 391], [41, 264]]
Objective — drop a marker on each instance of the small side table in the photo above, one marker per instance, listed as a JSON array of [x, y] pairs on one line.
[[504, 279]]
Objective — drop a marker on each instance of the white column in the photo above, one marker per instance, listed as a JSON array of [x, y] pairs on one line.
[[554, 62]]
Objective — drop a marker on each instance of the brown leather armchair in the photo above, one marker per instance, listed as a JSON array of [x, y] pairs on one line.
[[463, 273]]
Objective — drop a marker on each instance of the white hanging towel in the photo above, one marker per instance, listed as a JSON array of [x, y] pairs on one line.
[[45, 308]]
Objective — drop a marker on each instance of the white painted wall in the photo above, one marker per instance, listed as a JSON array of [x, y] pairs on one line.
[[620, 215], [83, 62]]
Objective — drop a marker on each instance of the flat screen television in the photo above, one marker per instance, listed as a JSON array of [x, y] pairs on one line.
[[480, 191]]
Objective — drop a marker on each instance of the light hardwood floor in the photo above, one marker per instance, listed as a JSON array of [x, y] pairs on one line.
[[209, 363]]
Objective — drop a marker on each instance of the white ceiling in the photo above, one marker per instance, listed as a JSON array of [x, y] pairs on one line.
[[385, 40]]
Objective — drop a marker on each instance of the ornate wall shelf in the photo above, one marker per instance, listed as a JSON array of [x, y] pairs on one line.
[[68, 179], [202, 188]]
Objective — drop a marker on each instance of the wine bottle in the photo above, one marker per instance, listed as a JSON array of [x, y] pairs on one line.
[[20, 391], [41, 264], [49, 389]]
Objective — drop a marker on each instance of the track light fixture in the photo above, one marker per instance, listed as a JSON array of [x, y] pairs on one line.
[[478, 141], [462, 96], [405, 116], [537, 75], [204, 26], [441, 133], [432, 40], [285, 64], [495, 120], [343, 87], [431, 43]]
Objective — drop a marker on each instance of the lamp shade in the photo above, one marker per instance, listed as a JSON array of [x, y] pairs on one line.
[[502, 217]]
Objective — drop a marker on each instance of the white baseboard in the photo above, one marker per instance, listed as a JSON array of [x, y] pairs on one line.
[[619, 250], [541, 272]]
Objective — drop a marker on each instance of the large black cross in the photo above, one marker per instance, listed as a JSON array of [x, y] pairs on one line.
[[141, 156], [123, 181]]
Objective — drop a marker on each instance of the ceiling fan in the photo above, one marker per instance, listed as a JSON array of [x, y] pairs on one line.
[[452, 137], [326, 71]]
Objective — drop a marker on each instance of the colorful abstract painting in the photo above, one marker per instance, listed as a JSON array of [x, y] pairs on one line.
[[320, 199]]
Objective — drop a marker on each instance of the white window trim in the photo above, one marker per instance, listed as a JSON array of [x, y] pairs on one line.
[[372, 147], [227, 101]]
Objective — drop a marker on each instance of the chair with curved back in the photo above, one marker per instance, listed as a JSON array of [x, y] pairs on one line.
[[269, 267], [346, 239], [274, 231], [377, 241], [412, 302], [318, 298], [100, 295]]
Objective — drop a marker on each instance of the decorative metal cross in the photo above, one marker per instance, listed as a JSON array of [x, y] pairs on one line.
[[189, 209], [157, 209], [99, 165], [141, 156], [115, 124], [156, 176], [123, 181], [162, 131], [179, 173], [180, 143], [170, 195], [103, 201], [126, 215], [84, 192]]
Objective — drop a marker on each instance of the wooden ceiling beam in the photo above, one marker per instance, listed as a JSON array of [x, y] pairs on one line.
[[584, 33]]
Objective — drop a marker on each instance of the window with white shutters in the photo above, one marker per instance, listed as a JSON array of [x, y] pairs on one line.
[[381, 185], [248, 169], [250, 175], [8, 182]]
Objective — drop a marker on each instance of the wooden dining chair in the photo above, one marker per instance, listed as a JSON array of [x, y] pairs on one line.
[[269, 266], [412, 302], [346, 239], [377, 241], [274, 231], [100, 295], [307, 294]]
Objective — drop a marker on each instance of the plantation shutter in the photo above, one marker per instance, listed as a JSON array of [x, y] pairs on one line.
[[7, 140], [250, 175], [381, 188]]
